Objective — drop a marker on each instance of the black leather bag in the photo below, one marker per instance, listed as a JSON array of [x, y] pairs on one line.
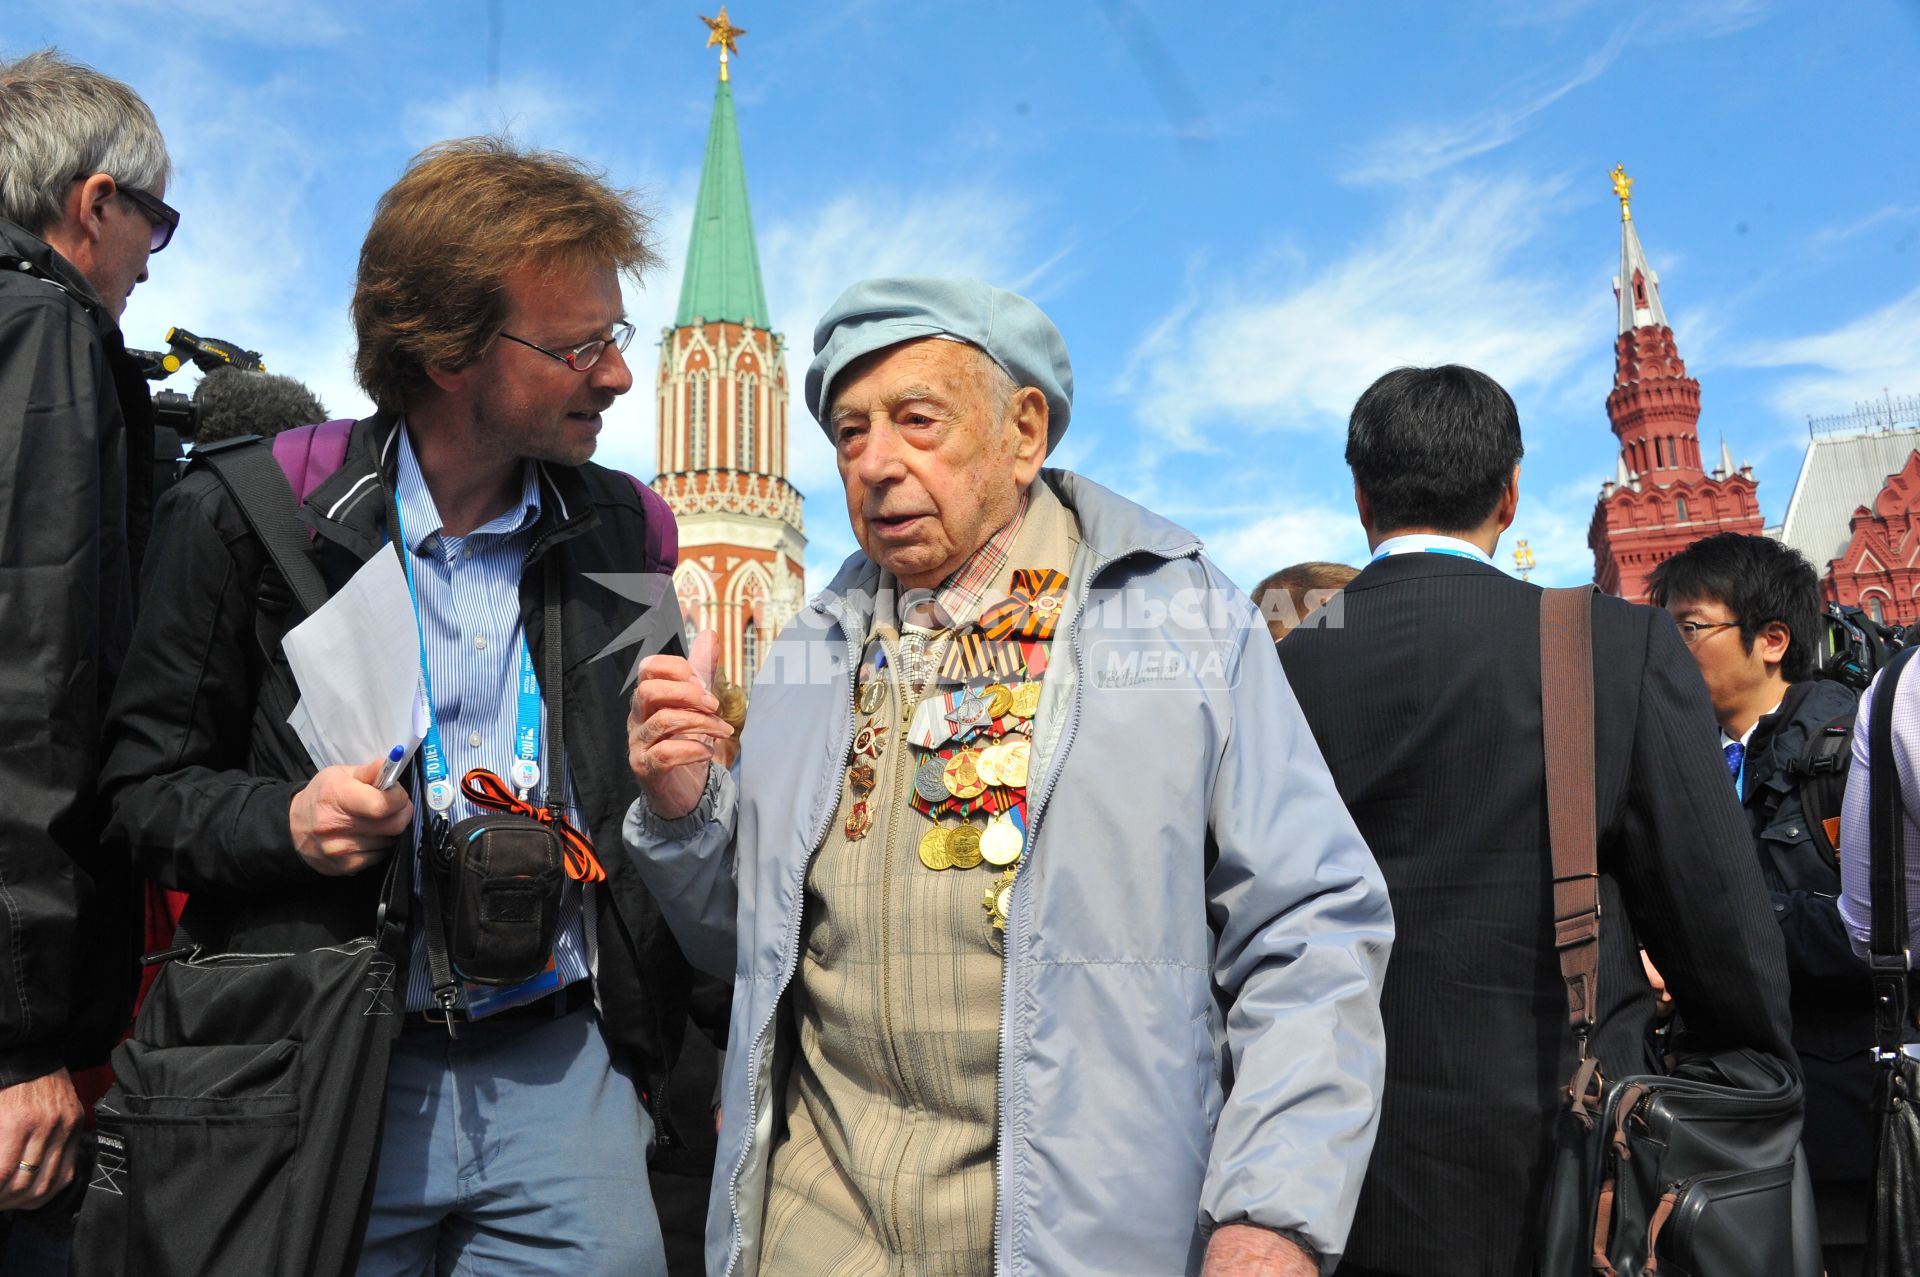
[[1893, 1223], [1696, 1172]]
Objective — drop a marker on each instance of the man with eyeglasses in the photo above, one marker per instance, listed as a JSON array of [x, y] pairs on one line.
[[80, 211], [1749, 610], [490, 323]]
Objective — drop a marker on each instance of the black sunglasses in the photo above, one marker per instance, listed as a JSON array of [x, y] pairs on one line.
[[164, 216]]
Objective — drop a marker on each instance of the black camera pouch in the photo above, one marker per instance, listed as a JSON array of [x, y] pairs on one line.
[[500, 881]]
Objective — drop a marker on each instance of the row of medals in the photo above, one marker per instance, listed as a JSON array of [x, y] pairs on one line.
[[986, 770]]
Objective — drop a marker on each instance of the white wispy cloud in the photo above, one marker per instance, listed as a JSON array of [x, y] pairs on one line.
[[526, 108], [1437, 285], [1418, 150], [242, 266], [285, 23], [1247, 550], [1886, 215], [1858, 361]]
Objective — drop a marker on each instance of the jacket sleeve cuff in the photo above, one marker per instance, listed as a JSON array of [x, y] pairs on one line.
[[26, 1062], [278, 861], [694, 821]]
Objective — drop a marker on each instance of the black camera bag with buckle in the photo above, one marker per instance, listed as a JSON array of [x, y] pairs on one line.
[[499, 896]]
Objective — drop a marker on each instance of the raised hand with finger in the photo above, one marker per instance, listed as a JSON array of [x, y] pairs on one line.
[[672, 727]]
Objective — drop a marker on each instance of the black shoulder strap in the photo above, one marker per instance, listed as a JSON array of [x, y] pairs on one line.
[[1891, 935], [1821, 773], [259, 487]]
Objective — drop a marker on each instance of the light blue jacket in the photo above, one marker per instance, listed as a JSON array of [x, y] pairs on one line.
[[1190, 1030]]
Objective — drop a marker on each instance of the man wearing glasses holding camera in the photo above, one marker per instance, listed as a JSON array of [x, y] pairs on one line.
[[80, 212]]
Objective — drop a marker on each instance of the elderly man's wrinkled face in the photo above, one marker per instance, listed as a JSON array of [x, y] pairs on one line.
[[933, 453]]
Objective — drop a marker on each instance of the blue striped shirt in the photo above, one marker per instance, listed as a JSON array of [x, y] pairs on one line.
[[468, 595]]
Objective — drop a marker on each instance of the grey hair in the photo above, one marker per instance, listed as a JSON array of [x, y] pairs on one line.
[[994, 381], [59, 121]]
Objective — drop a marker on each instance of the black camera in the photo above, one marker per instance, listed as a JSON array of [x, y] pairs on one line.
[[1854, 646], [175, 411]]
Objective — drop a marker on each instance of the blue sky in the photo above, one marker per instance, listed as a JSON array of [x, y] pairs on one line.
[[1239, 215]]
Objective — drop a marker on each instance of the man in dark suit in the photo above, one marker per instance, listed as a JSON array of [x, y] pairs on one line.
[[1426, 703]]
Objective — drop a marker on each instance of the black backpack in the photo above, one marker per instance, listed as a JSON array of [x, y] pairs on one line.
[[1820, 774]]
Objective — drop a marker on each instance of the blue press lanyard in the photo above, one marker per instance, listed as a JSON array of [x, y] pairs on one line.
[[526, 716]]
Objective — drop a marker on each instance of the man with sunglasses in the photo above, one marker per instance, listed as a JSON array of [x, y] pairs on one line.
[[80, 212], [1749, 610]]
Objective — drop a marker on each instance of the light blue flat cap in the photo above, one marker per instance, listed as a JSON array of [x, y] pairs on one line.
[[877, 313]]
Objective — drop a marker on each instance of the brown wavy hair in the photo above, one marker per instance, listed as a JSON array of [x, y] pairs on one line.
[[446, 239]]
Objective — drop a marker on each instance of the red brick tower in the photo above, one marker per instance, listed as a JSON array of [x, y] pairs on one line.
[[722, 393], [1661, 499]]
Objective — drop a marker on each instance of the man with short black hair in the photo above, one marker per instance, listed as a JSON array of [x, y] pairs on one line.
[[1749, 609], [82, 171], [1427, 705]]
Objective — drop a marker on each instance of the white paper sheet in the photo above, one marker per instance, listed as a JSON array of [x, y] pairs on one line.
[[357, 662]]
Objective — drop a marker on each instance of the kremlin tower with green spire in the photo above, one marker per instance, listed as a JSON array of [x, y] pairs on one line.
[[723, 415]]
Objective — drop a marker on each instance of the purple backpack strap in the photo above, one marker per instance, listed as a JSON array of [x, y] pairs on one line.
[[309, 455], [663, 534]]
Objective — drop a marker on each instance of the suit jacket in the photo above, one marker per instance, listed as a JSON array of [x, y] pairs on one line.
[[1422, 686]]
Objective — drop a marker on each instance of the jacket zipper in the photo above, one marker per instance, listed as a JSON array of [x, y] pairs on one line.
[[1017, 931], [756, 1058]]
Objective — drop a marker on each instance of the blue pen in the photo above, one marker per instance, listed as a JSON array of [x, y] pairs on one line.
[[390, 770]]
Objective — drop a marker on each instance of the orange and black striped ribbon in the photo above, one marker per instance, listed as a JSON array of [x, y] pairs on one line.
[[972, 655], [1033, 608], [485, 789]]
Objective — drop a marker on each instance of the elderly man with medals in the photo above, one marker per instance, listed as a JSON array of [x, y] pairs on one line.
[[1054, 949]]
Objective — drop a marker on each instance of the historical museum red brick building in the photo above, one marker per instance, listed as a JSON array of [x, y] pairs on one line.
[[1661, 498], [1855, 508]]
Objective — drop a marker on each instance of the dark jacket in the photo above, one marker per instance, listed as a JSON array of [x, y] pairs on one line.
[[202, 765], [75, 448], [1832, 996], [1423, 692]]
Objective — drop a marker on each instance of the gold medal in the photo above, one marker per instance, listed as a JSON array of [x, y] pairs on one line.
[[1026, 700], [963, 775], [988, 766], [999, 700], [871, 695], [1016, 753], [1003, 842], [963, 847], [935, 849]]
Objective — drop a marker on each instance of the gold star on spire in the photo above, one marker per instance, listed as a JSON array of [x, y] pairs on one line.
[[723, 33], [1622, 184]]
